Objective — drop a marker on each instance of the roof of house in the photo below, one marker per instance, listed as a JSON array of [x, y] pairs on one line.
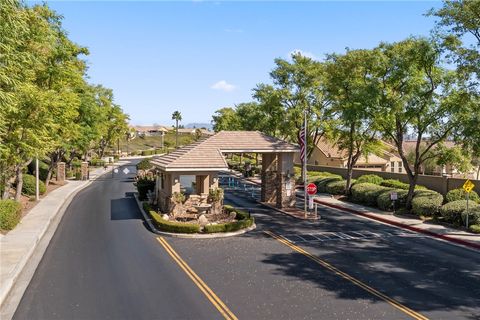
[[150, 128], [193, 130], [411, 144], [206, 154], [331, 150]]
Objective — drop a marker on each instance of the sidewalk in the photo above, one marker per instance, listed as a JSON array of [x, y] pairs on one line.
[[435, 230], [18, 245]]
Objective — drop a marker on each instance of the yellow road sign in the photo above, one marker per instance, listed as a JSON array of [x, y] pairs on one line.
[[468, 186]]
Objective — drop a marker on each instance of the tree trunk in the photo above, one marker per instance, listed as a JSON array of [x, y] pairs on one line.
[[176, 133], [478, 171], [411, 189], [348, 185], [18, 182]]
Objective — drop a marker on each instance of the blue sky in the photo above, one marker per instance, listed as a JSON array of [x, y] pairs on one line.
[[199, 56]]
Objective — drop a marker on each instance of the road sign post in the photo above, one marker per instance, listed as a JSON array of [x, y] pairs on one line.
[[311, 191], [393, 197], [468, 187]]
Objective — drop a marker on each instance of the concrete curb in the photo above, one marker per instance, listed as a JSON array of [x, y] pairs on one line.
[[152, 227], [402, 225], [9, 285], [289, 214]]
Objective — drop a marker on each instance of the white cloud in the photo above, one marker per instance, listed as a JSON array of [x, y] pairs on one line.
[[303, 53], [223, 85]]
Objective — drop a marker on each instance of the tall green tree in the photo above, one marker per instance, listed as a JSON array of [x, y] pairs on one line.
[[297, 88], [352, 88], [177, 116], [418, 97], [225, 119]]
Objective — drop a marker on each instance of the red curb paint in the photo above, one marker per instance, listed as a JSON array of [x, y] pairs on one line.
[[401, 225]]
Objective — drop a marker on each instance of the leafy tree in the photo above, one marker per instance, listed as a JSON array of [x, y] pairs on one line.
[[225, 119], [353, 91], [177, 116], [297, 88], [418, 97]]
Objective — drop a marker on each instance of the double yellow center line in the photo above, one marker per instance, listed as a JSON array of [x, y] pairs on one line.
[[346, 276], [212, 297]]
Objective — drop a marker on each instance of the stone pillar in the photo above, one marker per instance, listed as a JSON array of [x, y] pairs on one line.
[[202, 184], [269, 178], [84, 170], [175, 182], [285, 181], [61, 172], [213, 181]]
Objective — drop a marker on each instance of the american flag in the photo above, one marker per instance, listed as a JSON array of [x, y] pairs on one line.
[[301, 142]]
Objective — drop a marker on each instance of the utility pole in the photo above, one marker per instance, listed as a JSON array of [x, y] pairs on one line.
[[305, 137]]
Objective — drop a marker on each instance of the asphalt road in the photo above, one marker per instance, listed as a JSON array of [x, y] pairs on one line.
[[103, 263]]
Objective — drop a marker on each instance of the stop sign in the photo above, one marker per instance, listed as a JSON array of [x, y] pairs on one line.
[[311, 189]]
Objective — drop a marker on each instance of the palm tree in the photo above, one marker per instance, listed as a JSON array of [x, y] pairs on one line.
[[177, 116]]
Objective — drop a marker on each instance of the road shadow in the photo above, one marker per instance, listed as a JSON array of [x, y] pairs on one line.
[[124, 208]]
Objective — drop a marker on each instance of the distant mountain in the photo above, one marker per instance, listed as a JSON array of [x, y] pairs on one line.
[[199, 125]]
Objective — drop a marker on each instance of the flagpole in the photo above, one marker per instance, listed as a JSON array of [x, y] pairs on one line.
[[305, 163]]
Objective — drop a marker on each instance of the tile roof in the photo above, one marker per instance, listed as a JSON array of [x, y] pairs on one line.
[[206, 154]]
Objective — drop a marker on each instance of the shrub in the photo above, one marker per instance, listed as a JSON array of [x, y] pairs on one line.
[[473, 215], [336, 187], [367, 193], [173, 226], [10, 212], [452, 211], [148, 152], [229, 227], [42, 169], [426, 203], [460, 194], [322, 182], [370, 178], [144, 164], [397, 184], [97, 163], [385, 203], [475, 228], [143, 186], [28, 187]]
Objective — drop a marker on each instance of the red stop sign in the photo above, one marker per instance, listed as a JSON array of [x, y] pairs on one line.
[[311, 189]]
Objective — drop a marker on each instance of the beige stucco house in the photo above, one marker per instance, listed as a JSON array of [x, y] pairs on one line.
[[326, 153]]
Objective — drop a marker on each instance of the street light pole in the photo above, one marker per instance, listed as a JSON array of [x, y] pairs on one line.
[[305, 163], [37, 184]]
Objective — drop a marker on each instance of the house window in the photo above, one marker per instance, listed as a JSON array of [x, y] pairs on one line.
[[400, 164], [400, 169], [316, 162]]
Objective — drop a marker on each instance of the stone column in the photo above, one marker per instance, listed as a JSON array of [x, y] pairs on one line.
[[269, 177], [213, 181], [61, 172], [202, 184], [84, 170], [285, 181]]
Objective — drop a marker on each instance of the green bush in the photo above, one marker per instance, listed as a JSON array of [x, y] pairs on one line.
[[229, 227], [10, 212], [452, 211], [385, 203], [148, 152], [28, 187], [144, 164], [473, 215], [42, 169], [336, 187], [367, 193], [97, 162], [426, 203], [475, 228], [397, 184], [370, 178], [460, 194], [143, 186], [322, 183], [173, 226]]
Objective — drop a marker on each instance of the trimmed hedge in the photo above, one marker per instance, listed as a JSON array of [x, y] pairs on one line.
[[42, 169], [370, 178], [426, 203], [322, 183], [367, 193], [336, 187], [384, 202], [452, 211], [229, 227], [397, 184], [97, 163], [475, 228], [171, 226], [148, 152], [10, 212], [28, 186], [460, 194], [473, 215], [144, 164]]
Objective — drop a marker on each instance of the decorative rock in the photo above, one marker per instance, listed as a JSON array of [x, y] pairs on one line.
[[165, 217], [202, 220]]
